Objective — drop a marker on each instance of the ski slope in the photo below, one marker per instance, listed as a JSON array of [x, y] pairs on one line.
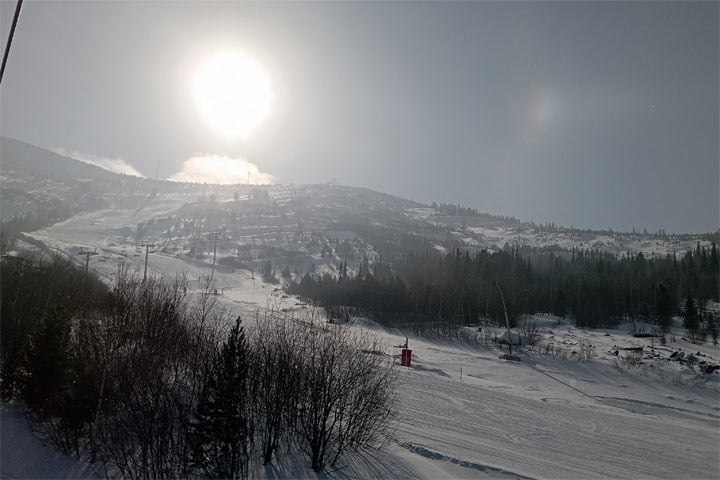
[[554, 418], [540, 418]]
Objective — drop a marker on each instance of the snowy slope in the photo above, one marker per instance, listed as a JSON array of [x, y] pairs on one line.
[[464, 413], [23, 455], [555, 419]]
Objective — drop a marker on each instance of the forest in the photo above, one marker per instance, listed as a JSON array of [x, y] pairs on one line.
[[595, 289]]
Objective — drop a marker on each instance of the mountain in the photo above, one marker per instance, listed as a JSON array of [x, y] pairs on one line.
[[40, 183], [17, 156], [344, 224]]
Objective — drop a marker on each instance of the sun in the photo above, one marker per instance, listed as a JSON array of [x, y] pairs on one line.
[[232, 92]]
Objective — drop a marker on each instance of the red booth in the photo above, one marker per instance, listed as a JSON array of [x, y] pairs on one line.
[[405, 357]]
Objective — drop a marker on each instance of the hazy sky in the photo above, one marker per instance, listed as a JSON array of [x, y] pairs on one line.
[[587, 114]]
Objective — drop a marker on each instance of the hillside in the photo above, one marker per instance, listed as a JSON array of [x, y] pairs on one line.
[[462, 411], [23, 158], [305, 225]]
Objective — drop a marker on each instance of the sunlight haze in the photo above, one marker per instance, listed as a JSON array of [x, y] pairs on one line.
[[592, 114]]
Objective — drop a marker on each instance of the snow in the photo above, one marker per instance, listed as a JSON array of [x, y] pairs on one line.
[[23, 455], [465, 413], [510, 338], [546, 418], [462, 411]]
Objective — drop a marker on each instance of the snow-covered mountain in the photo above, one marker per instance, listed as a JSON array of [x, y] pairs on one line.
[[308, 224]]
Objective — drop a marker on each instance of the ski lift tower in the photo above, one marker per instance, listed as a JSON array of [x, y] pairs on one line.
[[212, 272], [147, 246], [87, 253]]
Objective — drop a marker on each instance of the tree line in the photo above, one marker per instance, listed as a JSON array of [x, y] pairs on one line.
[[596, 289], [156, 382]]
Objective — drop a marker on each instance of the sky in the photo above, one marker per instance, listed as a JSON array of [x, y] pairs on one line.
[[591, 114]]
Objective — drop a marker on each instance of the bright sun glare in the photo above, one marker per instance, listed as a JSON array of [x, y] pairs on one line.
[[232, 92]]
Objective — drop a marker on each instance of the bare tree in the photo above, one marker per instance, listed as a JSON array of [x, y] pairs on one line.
[[347, 393], [279, 346], [154, 363]]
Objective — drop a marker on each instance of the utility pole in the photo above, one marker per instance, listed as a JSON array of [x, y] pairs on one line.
[[212, 273], [147, 246], [87, 254], [632, 311]]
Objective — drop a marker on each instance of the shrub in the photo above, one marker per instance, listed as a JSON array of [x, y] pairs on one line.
[[147, 381]]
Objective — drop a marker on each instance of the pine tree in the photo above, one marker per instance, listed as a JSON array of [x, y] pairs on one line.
[[47, 363], [221, 434]]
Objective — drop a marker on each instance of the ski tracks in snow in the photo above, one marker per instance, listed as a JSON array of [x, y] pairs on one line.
[[433, 455]]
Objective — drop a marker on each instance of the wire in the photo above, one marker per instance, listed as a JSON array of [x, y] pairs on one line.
[[10, 37]]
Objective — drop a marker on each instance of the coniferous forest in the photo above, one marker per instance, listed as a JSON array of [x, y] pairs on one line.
[[594, 289]]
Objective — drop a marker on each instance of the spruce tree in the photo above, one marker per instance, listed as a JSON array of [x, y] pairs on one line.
[[221, 434], [47, 363]]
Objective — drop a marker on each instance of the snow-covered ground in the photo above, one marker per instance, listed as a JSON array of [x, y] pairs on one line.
[[98, 230], [462, 411], [556, 418], [465, 413], [24, 456]]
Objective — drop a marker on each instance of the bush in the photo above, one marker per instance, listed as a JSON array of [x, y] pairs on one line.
[[147, 381], [320, 386], [346, 397], [278, 347], [156, 358], [530, 332], [585, 352]]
